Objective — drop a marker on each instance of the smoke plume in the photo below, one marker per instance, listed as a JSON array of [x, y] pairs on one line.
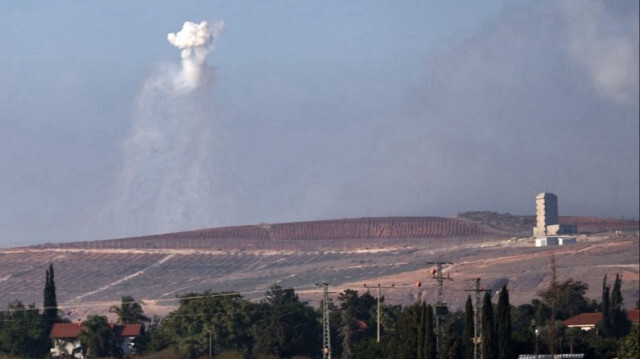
[[167, 182], [195, 40]]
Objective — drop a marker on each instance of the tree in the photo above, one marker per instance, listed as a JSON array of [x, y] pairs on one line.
[[630, 345], [403, 341], [287, 326], [50, 310], [570, 298], [489, 344], [430, 342], [619, 320], [452, 348], [468, 332], [503, 324], [97, 338], [21, 331], [225, 318], [615, 323], [129, 311], [421, 332], [355, 319], [606, 323]]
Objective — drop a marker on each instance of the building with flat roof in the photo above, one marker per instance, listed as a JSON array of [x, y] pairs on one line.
[[547, 218]]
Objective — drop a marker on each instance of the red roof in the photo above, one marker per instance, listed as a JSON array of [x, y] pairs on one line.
[[590, 319], [72, 330], [65, 330], [129, 330]]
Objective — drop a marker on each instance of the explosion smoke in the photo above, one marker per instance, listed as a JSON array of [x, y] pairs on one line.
[[166, 180], [195, 41]]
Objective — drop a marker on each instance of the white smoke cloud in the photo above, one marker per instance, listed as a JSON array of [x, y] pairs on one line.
[[196, 41], [166, 182], [606, 47]]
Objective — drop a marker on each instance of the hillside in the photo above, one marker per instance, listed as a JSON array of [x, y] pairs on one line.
[[345, 253]]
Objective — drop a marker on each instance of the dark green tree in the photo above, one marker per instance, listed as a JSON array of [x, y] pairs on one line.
[[452, 348], [468, 332], [620, 324], [129, 311], [286, 326], [570, 298], [430, 342], [403, 341], [503, 324], [489, 342], [225, 318], [50, 310], [523, 318], [630, 345], [97, 338], [356, 319], [606, 324], [421, 333], [21, 332]]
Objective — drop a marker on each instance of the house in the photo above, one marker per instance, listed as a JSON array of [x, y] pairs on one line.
[[588, 321], [65, 340], [67, 345]]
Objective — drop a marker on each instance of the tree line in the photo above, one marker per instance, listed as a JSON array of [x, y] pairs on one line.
[[280, 325]]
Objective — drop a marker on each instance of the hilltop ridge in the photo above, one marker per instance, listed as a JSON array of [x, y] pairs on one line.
[[91, 275]]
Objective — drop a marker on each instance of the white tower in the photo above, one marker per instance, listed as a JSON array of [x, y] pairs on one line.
[[546, 213]]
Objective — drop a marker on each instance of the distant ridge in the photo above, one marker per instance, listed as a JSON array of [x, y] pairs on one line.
[[350, 228], [92, 275]]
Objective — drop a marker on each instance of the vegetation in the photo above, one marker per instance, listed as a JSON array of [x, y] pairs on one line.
[[281, 326], [97, 338], [504, 222], [50, 305], [129, 311]]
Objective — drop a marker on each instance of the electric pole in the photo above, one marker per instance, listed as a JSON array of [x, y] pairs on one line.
[[477, 329], [379, 287], [326, 334], [441, 305]]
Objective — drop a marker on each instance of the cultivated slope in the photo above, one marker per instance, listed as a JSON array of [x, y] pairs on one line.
[[90, 276]]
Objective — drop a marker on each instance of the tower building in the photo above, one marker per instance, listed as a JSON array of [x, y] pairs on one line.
[[547, 223]]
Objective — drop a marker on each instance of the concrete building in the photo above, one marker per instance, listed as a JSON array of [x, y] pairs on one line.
[[547, 223]]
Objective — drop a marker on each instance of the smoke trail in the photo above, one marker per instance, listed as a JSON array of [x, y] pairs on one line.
[[166, 181]]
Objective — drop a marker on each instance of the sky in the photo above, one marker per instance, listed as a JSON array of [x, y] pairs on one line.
[[307, 110]]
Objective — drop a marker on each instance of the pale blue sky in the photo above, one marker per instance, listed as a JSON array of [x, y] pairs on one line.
[[323, 109]]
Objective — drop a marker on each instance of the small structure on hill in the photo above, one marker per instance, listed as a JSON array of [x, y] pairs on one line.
[[548, 229]]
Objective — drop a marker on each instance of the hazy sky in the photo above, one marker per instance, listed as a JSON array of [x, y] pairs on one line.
[[312, 110]]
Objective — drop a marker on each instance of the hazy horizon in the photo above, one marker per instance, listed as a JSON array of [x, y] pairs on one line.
[[272, 112]]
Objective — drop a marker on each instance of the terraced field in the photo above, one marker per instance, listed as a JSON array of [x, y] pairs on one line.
[[90, 276]]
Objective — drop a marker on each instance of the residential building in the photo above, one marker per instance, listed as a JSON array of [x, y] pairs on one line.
[[66, 342]]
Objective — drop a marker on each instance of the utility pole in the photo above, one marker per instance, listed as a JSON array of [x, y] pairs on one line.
[[378, 310], [477, 328], [326, 334], [441, 305]]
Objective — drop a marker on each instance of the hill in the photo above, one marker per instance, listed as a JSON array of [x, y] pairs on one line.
[[346, 253]]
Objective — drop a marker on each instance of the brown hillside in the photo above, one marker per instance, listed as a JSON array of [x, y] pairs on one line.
[[377, 228], [92, 275], [355, 228]]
